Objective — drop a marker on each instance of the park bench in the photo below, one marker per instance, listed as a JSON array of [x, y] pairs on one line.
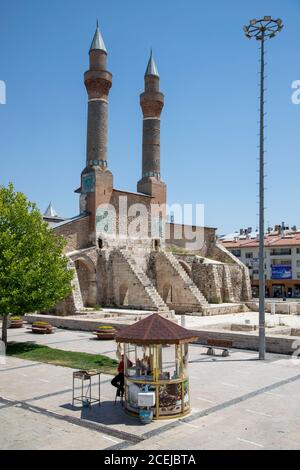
[[222, 344]]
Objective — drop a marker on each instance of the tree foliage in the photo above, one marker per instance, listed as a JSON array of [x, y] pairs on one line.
[[34, 273]]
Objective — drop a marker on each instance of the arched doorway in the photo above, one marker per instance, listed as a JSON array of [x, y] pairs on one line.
[[87, 281], [156, 244]]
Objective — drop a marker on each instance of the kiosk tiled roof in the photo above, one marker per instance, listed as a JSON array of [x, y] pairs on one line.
[[155, 329]]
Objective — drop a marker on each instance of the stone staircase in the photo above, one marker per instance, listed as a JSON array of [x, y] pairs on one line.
[[145, 282], [188, 283]]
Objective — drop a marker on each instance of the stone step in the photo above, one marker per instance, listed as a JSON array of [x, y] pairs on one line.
[[223, 309], [145, 282], [186, 278]]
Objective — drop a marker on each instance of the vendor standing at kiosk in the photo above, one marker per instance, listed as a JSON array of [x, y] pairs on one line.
[[118, 380]]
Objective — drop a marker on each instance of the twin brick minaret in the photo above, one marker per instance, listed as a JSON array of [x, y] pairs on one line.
[[96, 179], [152, 103]]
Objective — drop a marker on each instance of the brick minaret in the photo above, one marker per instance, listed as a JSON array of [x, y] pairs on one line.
[[96, 179], [152, 102]]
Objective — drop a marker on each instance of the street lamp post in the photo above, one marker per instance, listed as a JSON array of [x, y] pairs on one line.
[[265, 28]]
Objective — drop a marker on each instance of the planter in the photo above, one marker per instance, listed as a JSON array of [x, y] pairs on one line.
[[41, 328], [105, 332], [16, 322]]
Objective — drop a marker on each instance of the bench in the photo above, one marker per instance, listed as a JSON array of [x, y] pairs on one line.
[[223, 345]]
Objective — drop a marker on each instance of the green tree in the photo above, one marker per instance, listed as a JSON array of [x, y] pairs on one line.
[[34, 273]]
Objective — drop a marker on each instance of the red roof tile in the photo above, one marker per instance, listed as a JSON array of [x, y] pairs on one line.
[[155, 329], [270, 240]]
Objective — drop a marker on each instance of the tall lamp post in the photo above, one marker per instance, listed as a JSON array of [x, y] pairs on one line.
[[265, 28]]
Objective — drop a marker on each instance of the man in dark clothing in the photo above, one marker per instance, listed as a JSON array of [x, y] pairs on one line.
[[118, 380]]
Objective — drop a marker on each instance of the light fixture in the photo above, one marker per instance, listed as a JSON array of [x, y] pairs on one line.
[[262, 30]]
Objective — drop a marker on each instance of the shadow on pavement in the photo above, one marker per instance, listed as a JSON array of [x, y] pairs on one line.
[[108, 413]]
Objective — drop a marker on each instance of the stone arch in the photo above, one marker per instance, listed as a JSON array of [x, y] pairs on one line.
[[123, 294], [86, 274], [185, 266]]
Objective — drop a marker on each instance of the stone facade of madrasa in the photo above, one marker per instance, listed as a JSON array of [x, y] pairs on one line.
[[121, 248]]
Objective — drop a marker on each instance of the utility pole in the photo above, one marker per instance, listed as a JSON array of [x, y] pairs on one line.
[[263, 29]]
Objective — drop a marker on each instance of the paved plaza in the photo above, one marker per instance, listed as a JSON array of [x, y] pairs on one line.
[[197, 322], [237, 402]]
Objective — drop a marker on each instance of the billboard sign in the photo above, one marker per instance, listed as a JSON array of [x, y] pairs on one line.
[[280, 271]]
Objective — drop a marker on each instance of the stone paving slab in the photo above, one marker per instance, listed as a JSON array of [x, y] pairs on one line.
[[238, 402], [25, 429]]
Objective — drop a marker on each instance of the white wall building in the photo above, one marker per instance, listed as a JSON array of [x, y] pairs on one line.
[[282, 258]]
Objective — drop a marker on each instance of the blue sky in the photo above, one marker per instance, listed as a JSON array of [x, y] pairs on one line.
[[209, 75]]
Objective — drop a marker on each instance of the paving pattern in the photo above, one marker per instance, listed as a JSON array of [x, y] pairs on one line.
[[237, 403]]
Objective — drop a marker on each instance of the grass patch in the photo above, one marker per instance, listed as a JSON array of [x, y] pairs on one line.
[[177, 250], [58, 357]]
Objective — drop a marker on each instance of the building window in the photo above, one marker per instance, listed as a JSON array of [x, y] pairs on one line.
[[249, 255], [298, 275], [236, 253], [298, 251], [255, 271], [280, 251], [298, 262], [282, 262]]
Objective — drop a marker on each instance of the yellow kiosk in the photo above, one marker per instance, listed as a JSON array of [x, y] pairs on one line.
[[156, 367]]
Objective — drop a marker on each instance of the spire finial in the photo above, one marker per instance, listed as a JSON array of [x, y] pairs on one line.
[[50, 212], [98, 43], [151, 67]]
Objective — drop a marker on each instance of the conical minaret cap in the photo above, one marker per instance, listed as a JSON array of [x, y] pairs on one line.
[[151, 67], [50, 212], [98, 43]]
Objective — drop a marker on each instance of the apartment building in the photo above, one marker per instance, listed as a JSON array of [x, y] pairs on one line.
[[282, 258]]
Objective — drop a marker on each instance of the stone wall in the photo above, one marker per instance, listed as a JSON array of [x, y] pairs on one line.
[[76, 232], [278, 344], [209, 279], [219, 282], [125, 288], [221, 254], [173, 284], [129, 272], [287, 308], [179, 236], [86, 279], [73, 303], [138, 225]]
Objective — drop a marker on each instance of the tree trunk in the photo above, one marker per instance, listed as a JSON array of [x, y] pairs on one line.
[[4, 329]]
